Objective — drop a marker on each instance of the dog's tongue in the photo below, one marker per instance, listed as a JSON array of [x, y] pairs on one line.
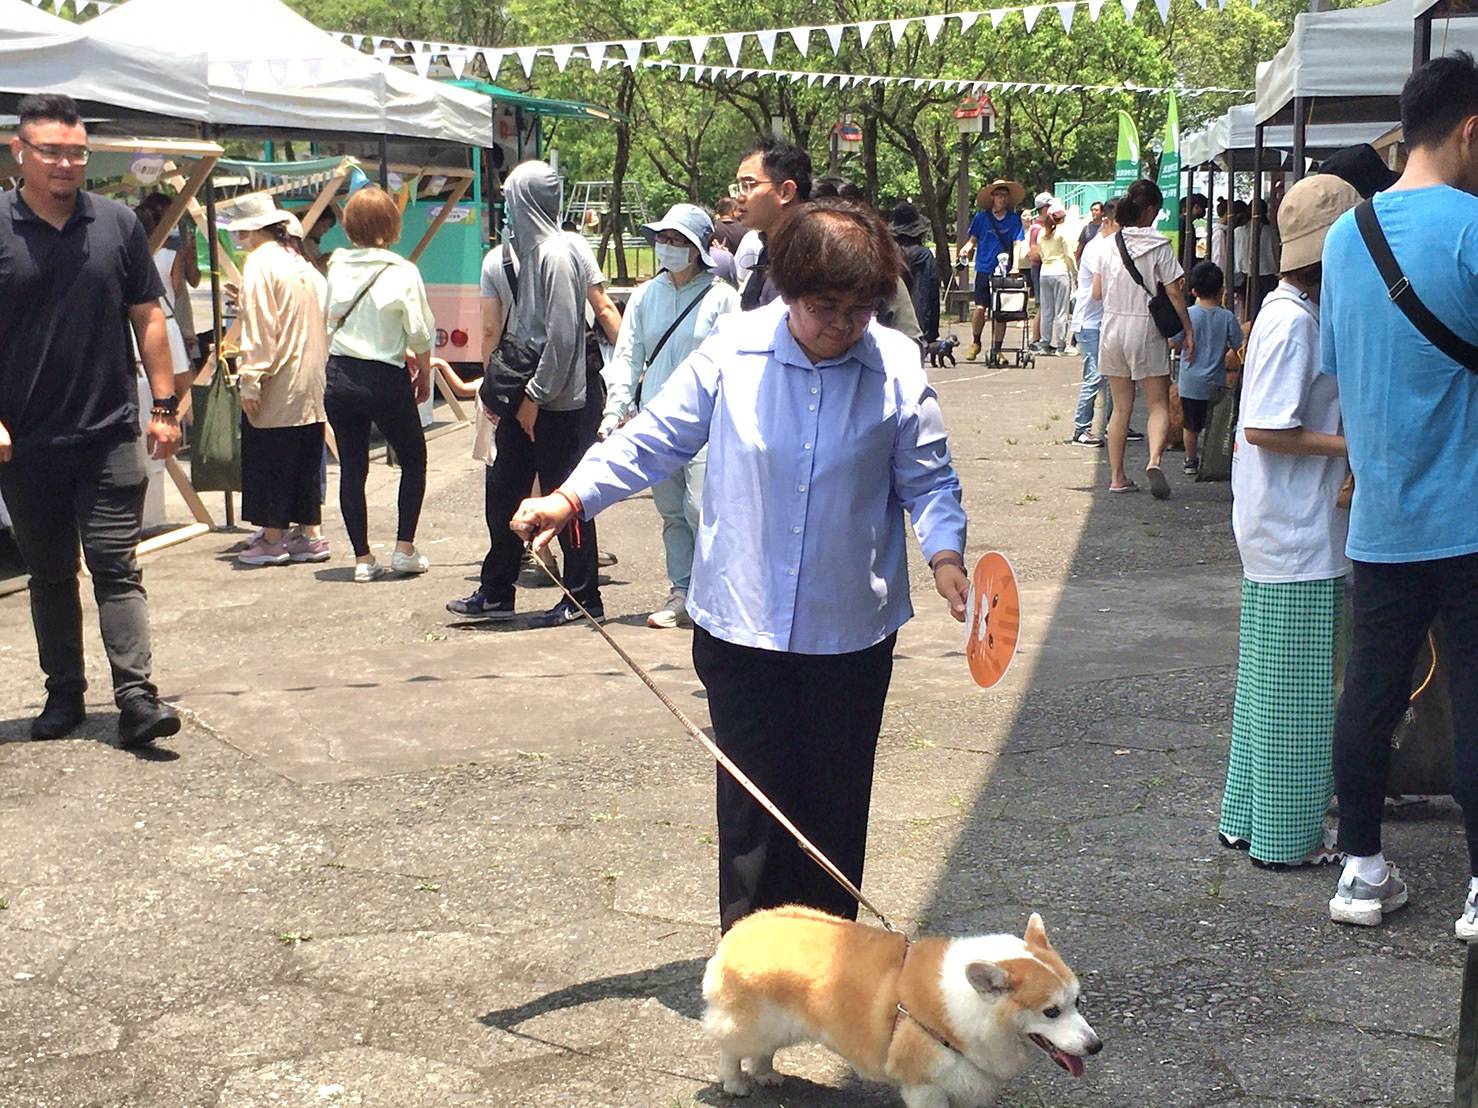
[[1071, 1062]]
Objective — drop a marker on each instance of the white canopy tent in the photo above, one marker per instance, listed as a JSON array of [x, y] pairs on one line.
[[1349, 65], [272, 71], [1234, 133], [41, 53]]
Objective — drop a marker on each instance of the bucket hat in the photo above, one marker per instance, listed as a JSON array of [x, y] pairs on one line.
[[691, 222], [1307, 212]]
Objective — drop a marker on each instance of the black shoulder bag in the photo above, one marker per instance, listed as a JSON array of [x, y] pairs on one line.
[[1162, 309], [512, 364], [1399, 289], [652, 357]]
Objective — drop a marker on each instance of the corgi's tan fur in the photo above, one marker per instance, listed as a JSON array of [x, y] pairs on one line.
[[791, 975]]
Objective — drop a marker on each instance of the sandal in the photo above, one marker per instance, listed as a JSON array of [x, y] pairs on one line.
[[1130, 487], [1159, 484]]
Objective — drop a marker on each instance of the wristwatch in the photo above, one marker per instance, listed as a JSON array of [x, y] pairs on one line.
[[165, 406]]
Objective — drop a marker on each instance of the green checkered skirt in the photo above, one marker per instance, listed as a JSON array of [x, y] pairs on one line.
[[1279, 778]]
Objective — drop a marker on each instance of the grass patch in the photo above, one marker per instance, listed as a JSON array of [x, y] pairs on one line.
[[428, 887], [293, 938]]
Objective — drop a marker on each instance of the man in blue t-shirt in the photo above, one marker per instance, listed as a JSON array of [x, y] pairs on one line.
[[1411, 422], [993, 232]]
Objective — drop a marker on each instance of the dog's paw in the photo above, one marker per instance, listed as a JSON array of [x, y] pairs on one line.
[[769, 1079], [738, 1086]]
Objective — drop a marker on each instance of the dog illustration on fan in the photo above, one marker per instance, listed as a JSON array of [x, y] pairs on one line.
[[946, 1021]]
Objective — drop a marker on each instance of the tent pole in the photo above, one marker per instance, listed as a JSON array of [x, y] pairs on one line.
[[385, 163], [1254, 229], [1300, 136], [1211, 212], [1422, 48], [213, 246], [1188, 225]]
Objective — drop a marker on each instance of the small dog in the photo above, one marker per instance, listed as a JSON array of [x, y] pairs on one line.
[[941, 351], [947, 1021]]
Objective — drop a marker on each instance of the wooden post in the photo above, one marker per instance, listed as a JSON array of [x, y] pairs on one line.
[[181, 202], [441, 217], [1254, 227], [324, 199]]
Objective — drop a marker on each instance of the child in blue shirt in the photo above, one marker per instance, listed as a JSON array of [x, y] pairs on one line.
[[1218, 333]]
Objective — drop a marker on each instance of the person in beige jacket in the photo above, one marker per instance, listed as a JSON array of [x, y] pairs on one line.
[[284, 349]]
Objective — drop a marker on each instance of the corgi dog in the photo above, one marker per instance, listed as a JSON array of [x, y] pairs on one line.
[[947, 1021]]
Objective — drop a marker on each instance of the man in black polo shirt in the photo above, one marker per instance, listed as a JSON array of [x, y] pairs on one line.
[[75, 274]]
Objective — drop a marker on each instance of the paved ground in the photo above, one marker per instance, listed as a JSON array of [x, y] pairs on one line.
[[393, 861]]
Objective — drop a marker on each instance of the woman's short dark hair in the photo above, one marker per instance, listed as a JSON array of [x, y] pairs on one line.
[[1207, 280], [834, 246], [1143, 196]]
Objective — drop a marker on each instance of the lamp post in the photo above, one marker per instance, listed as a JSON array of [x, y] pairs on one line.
[[974, 116]]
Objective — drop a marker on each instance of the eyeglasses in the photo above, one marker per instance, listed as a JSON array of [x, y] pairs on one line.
[[745, 185], [55, 155], [856, 317]]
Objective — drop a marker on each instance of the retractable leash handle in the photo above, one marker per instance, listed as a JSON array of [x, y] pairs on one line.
[[808, 847]]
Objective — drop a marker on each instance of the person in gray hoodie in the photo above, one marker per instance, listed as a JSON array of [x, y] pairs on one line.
[[544, 439]]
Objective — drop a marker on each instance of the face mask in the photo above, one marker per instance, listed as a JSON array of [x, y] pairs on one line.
[[674, 259]]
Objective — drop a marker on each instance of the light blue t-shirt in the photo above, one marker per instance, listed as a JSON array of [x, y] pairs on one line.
[[1215, 329], [1410, 412]]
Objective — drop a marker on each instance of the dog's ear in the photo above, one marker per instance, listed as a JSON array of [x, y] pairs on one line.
[[987, 978], [1036, 934]]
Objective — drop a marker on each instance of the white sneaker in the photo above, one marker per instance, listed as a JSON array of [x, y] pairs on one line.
[[1466, 927], [672, 614], [365, 572], [1362, 904], [414, 562]]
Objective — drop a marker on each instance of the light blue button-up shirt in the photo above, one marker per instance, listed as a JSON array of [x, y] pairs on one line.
[[810, 468]]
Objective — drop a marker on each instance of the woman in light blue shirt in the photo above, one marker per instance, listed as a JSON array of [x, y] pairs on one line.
[[822, 430], [664, 322]]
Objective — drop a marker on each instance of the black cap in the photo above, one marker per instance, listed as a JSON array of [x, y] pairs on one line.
[[1362, 167]]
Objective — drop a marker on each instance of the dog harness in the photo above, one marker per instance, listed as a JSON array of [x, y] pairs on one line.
[[902, 1013]]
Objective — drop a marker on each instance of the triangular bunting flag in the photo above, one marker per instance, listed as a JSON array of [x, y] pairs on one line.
[[997, 15], [1163, 7], [801, 36], [767, 43], [968, 20], [834, 35], [526, 56], [1094, 7], [1030, 13], [933, 24], [458, 60], [596, 52], [422, 62], [811, 79], [632, 49], [734, 43], [866, 29], [664, 41], [493, 59], [683, 71], [698, 44], [898, 28], [1129, 8], [1066, 10], [561, 55]]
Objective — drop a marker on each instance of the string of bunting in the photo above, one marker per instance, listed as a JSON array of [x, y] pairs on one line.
[[79, 7], [459, 57], [697, 73]]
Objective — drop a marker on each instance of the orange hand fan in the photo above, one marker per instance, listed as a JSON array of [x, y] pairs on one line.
[[992, 619]]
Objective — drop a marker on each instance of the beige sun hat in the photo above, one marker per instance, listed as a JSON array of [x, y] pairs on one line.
[[1015, 189], [1305, 215], [257, 210]]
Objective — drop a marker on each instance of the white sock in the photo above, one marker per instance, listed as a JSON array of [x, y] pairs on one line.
[[1370, 868], [1473, 888]]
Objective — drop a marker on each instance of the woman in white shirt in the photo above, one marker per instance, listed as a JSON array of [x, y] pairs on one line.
[[1132, 352], [378, 319], [1287, 472]]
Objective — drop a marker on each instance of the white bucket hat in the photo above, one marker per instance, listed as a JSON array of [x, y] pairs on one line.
[[257, 210], [691, 222]]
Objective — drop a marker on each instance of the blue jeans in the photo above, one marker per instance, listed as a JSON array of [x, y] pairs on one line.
[[1093, 384], [679, 497]]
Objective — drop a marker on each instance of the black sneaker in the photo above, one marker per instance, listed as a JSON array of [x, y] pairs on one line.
[[1134, 436], [144, 718], [63, 714], [479, 606], [564, 612]]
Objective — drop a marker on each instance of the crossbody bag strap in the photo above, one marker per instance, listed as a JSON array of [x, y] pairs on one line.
[[510, 275], [359, 296], [652, 357], [1399, 289]]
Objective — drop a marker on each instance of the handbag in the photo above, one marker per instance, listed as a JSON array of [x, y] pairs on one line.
[[512, 363], [1399, 289], [1162, 308], [215, 452], [1220, 439]]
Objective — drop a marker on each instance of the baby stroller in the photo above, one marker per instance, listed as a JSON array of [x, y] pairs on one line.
[[1011, 303]]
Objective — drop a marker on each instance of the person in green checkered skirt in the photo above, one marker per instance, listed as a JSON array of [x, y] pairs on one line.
[[1287, 475]]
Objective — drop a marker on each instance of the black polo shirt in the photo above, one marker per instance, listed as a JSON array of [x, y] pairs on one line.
[[66, 360]]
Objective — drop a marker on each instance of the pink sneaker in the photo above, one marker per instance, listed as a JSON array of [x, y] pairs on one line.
[[300, 548], [264, 553]]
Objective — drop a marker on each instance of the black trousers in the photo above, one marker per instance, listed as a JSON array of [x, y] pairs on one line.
[[359, 393], [280, 475], [560, 440], [804, 728], [93, 495], [1394, 605]]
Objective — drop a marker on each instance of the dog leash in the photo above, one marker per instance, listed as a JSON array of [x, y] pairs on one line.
[[808, 847]]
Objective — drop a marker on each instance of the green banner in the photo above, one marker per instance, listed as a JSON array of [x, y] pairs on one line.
[[1169, 182], [1126, 164]]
